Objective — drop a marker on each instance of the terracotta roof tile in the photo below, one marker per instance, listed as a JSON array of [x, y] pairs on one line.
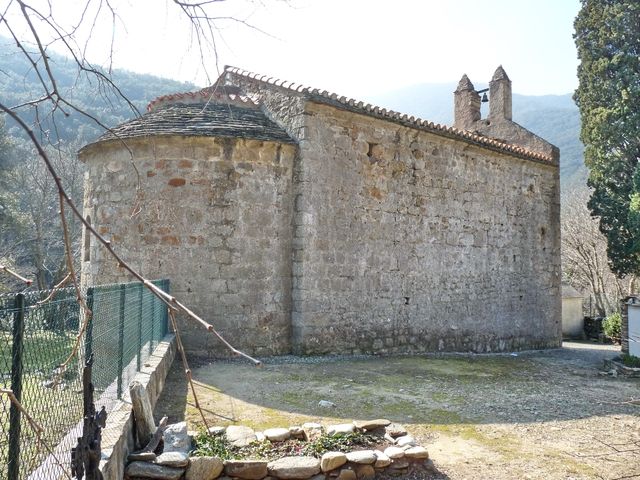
[[357, 106]]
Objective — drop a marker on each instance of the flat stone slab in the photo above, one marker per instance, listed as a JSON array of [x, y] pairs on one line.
[[246, 469], [294, 467], [152, 470], [142, 457], [394, 452], [418, 453], [240, 436], [365, 457], [277, 434], [341, 428], [332, 460], [394, 430], [204, 468], [371, 424], [173, 459]]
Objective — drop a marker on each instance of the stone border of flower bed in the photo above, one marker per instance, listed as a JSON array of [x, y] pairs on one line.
[[402, 454], [621, 369]]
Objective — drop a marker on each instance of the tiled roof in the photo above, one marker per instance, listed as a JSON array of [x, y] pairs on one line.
[[345, 103], [172, 117]]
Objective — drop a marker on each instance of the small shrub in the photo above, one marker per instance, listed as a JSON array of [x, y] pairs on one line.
[[208, 445], [218, 446], [631, 360], [611, 326]]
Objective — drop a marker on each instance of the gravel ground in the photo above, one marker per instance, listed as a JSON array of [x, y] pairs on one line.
[[535, 415]]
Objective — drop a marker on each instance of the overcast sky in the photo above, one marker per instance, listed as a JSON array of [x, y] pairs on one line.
[[354, 47]]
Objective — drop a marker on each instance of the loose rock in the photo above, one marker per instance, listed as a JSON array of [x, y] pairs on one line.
[[371, 424], [151, 470], [240, 436], [405, 440], [394, 452], [416, 453], [204, 468], [332, 460], [326, 404], [340, 428], [365, 457], [246, 469], [277, 434], [176, 438], [294, 467]]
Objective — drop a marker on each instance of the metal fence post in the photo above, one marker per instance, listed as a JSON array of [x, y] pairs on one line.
[[16, 386], [88, 335], [140, 296], [165, 311], [152, 309], [123, 289]]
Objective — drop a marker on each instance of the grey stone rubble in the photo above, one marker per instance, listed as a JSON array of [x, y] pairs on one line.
[[174, 461]]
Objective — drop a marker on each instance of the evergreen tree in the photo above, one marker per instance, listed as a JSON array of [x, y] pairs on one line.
[[607, 35]]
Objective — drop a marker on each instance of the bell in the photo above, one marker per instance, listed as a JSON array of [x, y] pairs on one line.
[[485, 99]]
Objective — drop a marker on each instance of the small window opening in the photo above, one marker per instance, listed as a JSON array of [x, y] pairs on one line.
[[87, 241], [371, 147]]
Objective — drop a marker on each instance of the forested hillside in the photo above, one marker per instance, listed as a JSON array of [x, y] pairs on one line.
[[553, 117], [19, 84], [30, 230]]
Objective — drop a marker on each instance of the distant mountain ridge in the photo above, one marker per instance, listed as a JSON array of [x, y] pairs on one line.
[[553, 117], [19, 84]]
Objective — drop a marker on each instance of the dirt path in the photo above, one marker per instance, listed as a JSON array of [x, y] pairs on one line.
[[537, 415]]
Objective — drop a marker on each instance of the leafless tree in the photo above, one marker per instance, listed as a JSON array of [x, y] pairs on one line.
[[584, 255], [35, 28]]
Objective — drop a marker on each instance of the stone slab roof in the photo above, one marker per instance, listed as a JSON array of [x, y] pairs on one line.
[[201, 119], [350, 104]]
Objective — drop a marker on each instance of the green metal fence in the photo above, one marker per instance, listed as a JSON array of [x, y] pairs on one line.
[[36, 337]]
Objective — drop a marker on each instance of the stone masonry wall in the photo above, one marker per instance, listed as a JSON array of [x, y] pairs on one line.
[[214, 216], [407, 241]]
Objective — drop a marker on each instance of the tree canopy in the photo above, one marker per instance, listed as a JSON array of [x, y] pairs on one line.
[[607, 35]]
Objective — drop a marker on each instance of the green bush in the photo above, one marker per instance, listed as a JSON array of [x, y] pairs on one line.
[[611, 326]]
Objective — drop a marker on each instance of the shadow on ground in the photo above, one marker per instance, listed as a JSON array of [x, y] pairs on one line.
[[548, 414], [454, 389]]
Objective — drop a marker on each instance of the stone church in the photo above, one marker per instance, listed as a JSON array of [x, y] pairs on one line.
[[300, 221]]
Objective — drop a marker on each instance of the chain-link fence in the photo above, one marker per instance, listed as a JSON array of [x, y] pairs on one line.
[[37, 335]]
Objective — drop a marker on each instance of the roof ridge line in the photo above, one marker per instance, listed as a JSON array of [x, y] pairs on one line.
[[378, 111]]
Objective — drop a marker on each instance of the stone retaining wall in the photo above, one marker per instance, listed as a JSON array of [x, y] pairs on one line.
[[117, 436], [396, 451]]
